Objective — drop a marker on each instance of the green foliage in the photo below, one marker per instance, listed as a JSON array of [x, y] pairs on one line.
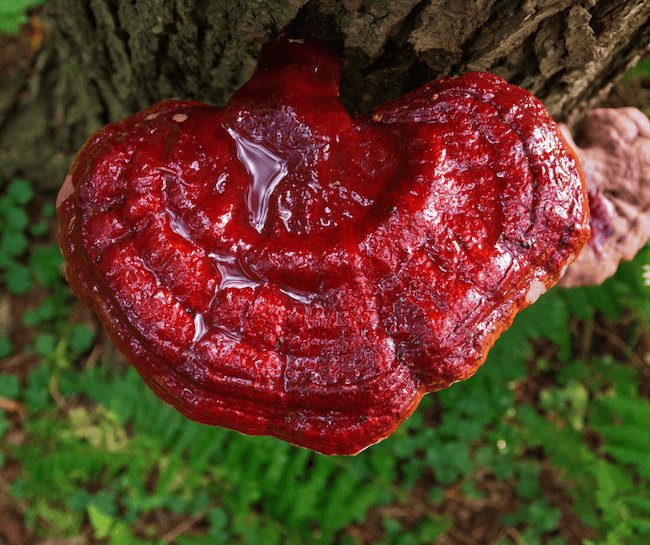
[[198, 469], [614, 479], [9, 386], [5, 346], [22, 268], [641, 69], [13, 14]]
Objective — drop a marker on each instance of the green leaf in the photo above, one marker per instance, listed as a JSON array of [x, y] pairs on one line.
[[436, 495], [9, 386], [642, 504], [105, 503], [17, 278], [44, 312], [541, 515], [5, 426], [10, 22], [45, 262], [79, 501], [607, 488], [626, 455], [528, 485], [82, 338], [100, 522], [49, 210], [13, 243], [628, 410], [641, 525], [37, 394], [391, 526], [16, 219], [406, 539], [38, 229], [5, 346], [45, 344], [554, 325], [604, 299], [578, 302], [428, 530], [632, 436], [20, 191], [18, 489], [219, 533], [218, 520]]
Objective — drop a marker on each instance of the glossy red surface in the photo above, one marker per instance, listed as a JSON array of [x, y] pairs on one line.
[[280, 267]]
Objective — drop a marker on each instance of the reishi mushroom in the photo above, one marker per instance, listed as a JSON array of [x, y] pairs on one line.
[[281, 267]]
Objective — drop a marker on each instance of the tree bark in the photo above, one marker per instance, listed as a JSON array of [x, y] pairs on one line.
[[106, 59]]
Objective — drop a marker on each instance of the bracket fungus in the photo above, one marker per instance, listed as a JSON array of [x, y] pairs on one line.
[[613, 146], [281, 267]]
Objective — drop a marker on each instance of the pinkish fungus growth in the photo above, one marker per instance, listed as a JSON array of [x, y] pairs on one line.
[[613, 146]]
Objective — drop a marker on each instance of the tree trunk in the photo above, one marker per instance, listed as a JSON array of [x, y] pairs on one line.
[[106, 59]]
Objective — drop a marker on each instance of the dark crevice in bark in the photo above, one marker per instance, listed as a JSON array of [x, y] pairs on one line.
[[398, 51], [314, 20], [393, 55], [528, 59], [494, 20], [603, 13], [552, 86], [163, 69], [203, 28], [408, 24], [418, 74], [398, 67]]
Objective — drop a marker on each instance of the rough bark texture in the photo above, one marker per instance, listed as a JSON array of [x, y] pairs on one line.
[[106, 59]]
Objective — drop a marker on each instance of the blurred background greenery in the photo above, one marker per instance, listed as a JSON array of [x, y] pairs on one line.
[[548, 443], [13, 13]]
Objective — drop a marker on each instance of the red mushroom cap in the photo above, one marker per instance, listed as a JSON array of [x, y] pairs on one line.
[[280, 267]]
